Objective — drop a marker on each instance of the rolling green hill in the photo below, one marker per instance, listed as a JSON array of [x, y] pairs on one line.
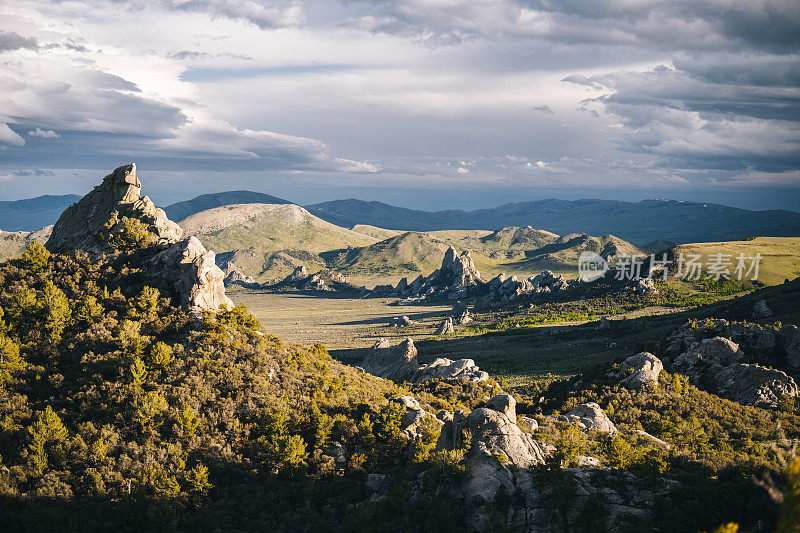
[[516, 238], [268, 227], [374, 231], [780, 256], [408, 252]]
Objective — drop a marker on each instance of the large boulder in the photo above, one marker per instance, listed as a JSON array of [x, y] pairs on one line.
[[590, 416], [449, 370], [392, 362], [87, 224], [499, 448], [640, 370], [761, 310], [194, 273], [716, 351]]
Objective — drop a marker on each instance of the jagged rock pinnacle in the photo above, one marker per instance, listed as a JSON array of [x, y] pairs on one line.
[[186, 264], [82, 225]]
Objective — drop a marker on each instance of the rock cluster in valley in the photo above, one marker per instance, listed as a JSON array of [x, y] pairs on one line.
[[458, 279], [399, 363]]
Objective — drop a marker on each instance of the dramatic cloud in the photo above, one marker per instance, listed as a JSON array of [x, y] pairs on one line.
[[700, 119], [263, 14], [664, 25], [498, 99]]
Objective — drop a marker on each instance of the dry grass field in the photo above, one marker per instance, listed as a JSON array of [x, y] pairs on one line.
[[338, 323]]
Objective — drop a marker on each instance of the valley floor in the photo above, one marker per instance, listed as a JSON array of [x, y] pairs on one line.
[[338, 323]]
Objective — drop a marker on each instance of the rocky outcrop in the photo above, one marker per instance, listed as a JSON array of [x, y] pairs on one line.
[[761, 310], [87, 224], [640, 370], [392, 362], [95, 220], [642, 287], [458, 279], [461, 370], [756, 339], [298, 274], [194, 274], [590, 416], [498, 449], [716, 351], [414, 415], [399, 363], [463, 319], [323, 281], [446, 327], [237, 277], [756, 385], [451, 281], [718, 362]]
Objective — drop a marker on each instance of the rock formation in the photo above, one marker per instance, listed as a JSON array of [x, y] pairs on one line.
[[640, 370], [85, 224], [590, 416], [718, 361], [450, 281], [755, 385], [446, 327], [458, 279], [92, 223], [399, 363], [761, 310], [413, 416], [449, 370], [498, 451], [194, 273], [392, 362]]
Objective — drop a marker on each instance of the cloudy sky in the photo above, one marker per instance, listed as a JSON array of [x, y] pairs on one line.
[[427, 103]]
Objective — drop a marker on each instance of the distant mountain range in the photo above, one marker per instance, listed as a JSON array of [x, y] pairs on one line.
[[33, 214], [180, 210], [637, 222]]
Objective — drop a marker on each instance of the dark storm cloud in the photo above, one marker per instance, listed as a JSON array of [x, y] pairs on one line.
[[770, 25], [693, 122]]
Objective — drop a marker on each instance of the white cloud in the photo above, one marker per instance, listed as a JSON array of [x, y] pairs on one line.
[[44, 134], [9, 137]]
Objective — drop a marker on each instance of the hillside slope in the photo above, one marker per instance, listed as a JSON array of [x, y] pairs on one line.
[[780, 256], [13, 243], [268, 227], [406, 253]]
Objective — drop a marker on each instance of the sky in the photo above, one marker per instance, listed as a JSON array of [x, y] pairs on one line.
[[432, 104]]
